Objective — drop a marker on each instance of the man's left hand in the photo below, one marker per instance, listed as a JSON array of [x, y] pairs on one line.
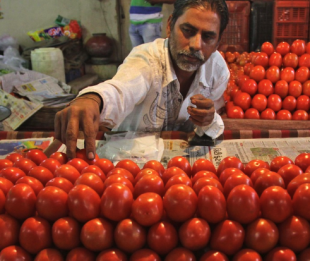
[[203, 114]]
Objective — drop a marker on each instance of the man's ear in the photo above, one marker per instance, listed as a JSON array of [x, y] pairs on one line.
[[168, 28]]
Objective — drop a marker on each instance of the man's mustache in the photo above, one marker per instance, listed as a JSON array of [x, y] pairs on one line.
[[197, 54]]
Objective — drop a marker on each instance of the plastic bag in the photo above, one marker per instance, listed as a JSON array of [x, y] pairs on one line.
[[7, 41], [12, 58]]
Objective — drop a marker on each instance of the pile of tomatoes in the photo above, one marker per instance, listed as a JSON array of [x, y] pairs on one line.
[[271, 84], [58, 209]]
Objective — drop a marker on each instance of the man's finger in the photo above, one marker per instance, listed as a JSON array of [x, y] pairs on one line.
[[90, 128], [72, 133], [203, 103], [200, 112], [57, 126]]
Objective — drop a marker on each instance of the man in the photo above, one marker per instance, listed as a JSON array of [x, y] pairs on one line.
[[169, 84], [145, 20]]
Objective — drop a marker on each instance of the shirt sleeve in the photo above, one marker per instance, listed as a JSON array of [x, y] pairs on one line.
[[213, 130]]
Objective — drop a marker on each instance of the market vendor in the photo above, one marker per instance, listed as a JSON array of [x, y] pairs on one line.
[[169, 84]]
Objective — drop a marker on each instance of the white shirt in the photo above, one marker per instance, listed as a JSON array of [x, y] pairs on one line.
[[144, 95]]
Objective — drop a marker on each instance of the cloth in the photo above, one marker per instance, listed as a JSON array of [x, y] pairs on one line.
[[145, 93], [141, 12]]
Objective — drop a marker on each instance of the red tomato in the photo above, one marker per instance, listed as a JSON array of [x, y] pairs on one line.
[[265, 87], [283, 48], [227, 173], [253, 165], [257, 73], [35, 184], [104, 164], [278, 162], [227, 237], [5, 163], [92, 180], [177, 198], [162, 237], [281, 88], [203, 164], [303, 103], [273, 74], [5, 185], [298, 47], [60, 156], [144, 254], [303, 160], [304, 255], [111, 254], [12, 174], [147, 209], [41, 173], [294, 233], [300, 201], [267, 48], [147, 171], [51, 164], [96, 170], [268, 114], [243, 204], [9, 230], [258, 172], [261, 235], [261, 58], [49, 199], [290, 60], [275, 60], [247, 68], [35, 235], [178, 179], [129, 165], [125, 173], [129, 236], [276, 204], [49, 254], [180, 253], [194, 234], [78, 163], [287, 74], [117, 178], [213, 256], [304, 60], [296, 182], [155, 165], [249, 86], [116, 202], [66, 233], [288, 172], [243, 100], [81, 154], [259, 102], [295, 88], [289, 103], [36, 155], [247, 254], [203, 173], [235, 180], [149, 183], [25, 165], [14, 157], [205, 181], [229, 162], [274, 102], [61, 183], [20, 201], [2, 202], [211, 204], [302, 74], [267, 180], [182, 163], [235, 112], [14, 253], [83, 203], [84, 254], [97, 234], [68, 172], [300, 115], [169, 172], [252, 113]]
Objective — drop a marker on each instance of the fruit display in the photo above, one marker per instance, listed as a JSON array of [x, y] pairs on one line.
[[52, 208], [272, 84]]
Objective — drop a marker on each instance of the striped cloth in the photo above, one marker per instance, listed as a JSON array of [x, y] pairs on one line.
[[142, 12]]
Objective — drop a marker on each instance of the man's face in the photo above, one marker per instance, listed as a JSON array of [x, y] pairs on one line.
[[193, 38]]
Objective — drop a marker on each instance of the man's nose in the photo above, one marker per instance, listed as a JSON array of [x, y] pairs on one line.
[[195, 42]]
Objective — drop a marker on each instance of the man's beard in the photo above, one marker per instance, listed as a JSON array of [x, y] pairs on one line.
[[181, 61]]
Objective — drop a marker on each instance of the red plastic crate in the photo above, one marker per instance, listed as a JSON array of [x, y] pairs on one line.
[[291, 21], [236, 35]]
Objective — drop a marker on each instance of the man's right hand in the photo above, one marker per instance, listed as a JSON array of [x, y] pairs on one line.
[[82, 114]]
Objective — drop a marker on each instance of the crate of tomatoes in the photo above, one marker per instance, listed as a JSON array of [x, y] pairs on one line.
[[270, 85]]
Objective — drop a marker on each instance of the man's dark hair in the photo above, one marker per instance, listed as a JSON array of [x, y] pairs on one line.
[[218, 6]]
